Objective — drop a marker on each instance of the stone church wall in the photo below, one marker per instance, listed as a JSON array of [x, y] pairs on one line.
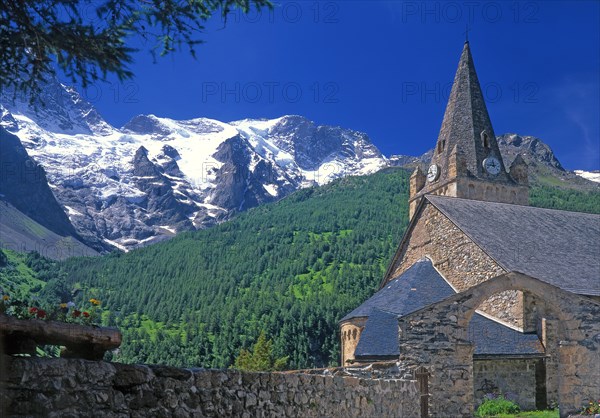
[[436, 337], [459, 260], [80, 388], [514, 378]]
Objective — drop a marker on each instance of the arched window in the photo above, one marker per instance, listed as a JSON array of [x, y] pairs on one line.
[[488, 195], [441, 145], [485, 140]]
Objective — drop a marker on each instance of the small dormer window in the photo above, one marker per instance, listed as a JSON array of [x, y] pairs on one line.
[[485, 140], [441, 145]]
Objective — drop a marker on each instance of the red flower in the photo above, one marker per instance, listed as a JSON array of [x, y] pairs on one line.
[[41, 313], [76, 313], [86, 314], [33, 310]]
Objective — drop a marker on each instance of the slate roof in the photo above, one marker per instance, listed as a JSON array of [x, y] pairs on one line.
[[417, 287], [379, 339], [558, 247], [420, 286], [493, 338], [465, 118], [380, 336]]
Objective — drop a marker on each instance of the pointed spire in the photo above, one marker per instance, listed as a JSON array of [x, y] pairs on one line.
[[466, 123], [466, 161]]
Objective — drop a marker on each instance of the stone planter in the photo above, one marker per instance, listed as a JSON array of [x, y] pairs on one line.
[[22, 336]]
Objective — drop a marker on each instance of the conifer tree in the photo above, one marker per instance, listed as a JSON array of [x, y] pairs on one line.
[[261, 358], [87, 39]]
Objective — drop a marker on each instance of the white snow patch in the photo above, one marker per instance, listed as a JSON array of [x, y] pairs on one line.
[[589, 175], [72, 212], [271, 189], [168, 228], [116, 244]]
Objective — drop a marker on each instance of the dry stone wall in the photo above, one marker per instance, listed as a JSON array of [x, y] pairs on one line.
[[76, 388]]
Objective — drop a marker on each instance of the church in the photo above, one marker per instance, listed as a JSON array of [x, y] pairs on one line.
[[485, 294]]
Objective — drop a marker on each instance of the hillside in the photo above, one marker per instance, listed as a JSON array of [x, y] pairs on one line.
[[30, 217], [19, 232], [292, 268], [154, 177], [17, 277]]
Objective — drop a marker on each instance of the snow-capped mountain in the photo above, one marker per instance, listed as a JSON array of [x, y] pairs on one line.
[[155, 176]]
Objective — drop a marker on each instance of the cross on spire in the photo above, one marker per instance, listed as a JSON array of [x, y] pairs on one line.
[[466, 32]]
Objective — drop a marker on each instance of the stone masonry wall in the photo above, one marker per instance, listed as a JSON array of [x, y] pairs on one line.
[[436, 338], [459, 260], [513, 378], [76, 388]]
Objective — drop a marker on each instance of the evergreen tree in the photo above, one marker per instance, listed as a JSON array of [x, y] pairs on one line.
[[291, 269], [261, 358], [87, 39]]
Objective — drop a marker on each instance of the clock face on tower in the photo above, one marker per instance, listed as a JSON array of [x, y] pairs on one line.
[[433, 173], [492, 165]]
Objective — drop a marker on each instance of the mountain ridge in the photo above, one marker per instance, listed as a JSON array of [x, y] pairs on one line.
[[292, 268], [155, 177], [31, 218]]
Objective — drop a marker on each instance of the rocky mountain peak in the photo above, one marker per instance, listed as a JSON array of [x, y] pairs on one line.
[[145, 124], [156, 176], [58, 109], [532, 149]]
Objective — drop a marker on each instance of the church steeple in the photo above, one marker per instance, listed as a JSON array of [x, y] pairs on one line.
[[466, 161], [467, 125]]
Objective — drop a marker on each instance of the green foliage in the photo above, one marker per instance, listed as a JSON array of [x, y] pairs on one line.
[[496, 406], [44, 267], [261, 358], [23, 287], [17, 279], [564, 199], [37, 34], [3, 259], [531, 414], [593, 407], [55, 292], [292, 269]]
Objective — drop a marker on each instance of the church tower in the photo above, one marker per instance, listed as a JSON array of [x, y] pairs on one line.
[[466, 161]]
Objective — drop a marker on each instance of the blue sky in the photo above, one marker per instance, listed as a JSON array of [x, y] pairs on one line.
[[385, 68]]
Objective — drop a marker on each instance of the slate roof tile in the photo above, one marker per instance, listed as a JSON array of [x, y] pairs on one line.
[[419, 286], [558, 247]]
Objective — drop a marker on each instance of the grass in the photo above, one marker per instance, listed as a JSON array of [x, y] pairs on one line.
[[16, 278], [531, 414]]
